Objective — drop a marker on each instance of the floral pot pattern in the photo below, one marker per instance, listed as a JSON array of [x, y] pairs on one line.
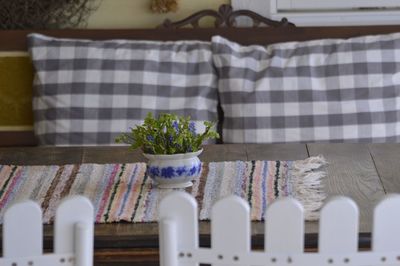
[[175, 170]]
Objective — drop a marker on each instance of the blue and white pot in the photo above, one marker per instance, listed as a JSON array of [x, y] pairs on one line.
[[174, 170]]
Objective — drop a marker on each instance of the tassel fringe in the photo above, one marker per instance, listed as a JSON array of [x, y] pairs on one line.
[[306, 180]]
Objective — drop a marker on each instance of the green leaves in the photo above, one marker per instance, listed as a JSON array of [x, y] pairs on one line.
[[169, 134]]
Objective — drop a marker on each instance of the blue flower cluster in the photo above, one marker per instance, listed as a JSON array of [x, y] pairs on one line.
[[175, 125], [192, 128], [171, 172]]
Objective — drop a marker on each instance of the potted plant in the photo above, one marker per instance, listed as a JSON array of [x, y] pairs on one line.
[[172, 145]]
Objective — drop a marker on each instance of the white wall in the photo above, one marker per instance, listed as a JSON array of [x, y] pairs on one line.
[[136, 13]]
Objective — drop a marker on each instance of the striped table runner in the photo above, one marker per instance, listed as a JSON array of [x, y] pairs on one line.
[[123, 192]]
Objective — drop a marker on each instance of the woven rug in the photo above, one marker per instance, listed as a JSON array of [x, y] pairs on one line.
[[123, 192]]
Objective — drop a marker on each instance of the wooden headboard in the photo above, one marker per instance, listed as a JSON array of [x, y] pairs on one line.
[[15, 40]]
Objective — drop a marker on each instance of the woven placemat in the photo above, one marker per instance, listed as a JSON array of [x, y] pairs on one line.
[[123, 192]]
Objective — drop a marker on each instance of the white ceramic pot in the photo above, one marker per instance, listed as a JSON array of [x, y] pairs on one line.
[[175, 170]]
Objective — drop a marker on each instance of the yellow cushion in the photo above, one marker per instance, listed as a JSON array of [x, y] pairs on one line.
[[16, 76]]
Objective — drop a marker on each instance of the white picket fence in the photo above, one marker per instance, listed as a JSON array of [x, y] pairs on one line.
[[73, 234], [284, 234]]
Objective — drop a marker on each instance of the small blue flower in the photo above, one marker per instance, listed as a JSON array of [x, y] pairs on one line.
[[193, 170], [168, 172], [175, 125], [192, 128], [154, 171], [170, 139], [181, 170], [150, 138]]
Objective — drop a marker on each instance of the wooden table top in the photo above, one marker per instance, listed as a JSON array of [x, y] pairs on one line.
[[364, 172]]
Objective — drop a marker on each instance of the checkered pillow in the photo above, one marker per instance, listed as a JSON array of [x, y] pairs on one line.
[[330, 90], [88, 92]]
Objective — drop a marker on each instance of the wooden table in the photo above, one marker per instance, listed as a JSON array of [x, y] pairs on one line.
[[363, 172]]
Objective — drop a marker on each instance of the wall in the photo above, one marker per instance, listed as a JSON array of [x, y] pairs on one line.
[[136, 13], [16, 73]]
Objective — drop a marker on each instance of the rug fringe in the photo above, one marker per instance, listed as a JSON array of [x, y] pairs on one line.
[[306, 180]]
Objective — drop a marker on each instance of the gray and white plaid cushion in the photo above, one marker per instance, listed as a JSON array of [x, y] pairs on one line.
[[330, 90], [88, 92]]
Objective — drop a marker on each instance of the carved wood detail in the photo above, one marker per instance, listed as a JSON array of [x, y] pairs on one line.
[[225, 17]]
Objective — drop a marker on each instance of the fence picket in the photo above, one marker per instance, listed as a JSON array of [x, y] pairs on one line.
[[74, 214], [386, 225], [23, 230], [284, 234], [338, 230], [284, 227], [178, 210], [230, 227]]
